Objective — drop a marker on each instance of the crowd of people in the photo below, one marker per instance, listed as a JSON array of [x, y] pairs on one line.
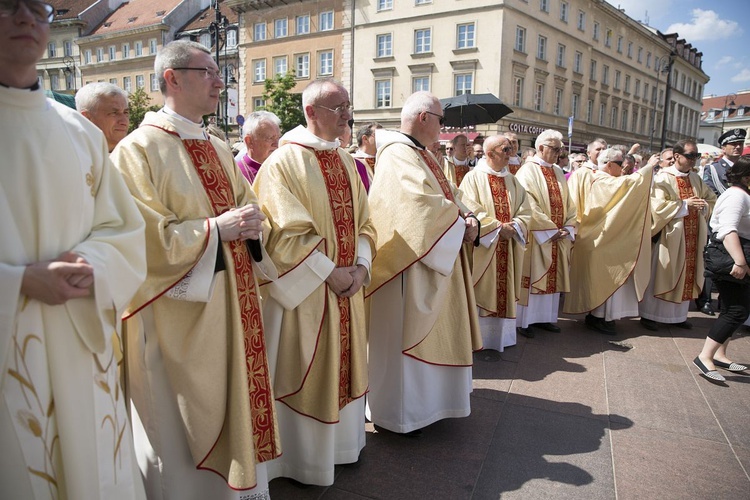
[[180, 323]]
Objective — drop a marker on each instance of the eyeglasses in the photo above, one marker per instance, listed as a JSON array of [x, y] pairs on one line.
[[339, 110], [449, 148], [43, 12], [208, 73], [553, 148], [504, 149], [690, 156], [441, 118]]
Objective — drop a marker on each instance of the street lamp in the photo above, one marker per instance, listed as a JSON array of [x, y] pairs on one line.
[[662, 66], [667, 98], [217, 26], [70, 69], [229, 79], [725, 111]]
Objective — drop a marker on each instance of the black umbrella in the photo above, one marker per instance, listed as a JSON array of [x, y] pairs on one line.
[[473, 109]]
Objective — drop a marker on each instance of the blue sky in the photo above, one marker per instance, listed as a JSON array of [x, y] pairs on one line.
[[714, 28]]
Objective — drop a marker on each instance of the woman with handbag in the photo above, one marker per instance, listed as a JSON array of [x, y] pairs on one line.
[[730, 221]]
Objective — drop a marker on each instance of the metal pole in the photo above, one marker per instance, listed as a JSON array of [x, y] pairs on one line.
[[658, 63], [724, 112], [216, 24], [667, 97]]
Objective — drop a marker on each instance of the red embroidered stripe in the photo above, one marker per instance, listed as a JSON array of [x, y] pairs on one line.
[[502, 213], [438, 173], [557, 214], [691, 237]]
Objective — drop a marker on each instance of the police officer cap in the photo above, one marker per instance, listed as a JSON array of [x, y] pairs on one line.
[[734, 135]]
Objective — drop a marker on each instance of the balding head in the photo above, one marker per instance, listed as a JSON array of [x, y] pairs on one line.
[[420, 117], [497, 151]]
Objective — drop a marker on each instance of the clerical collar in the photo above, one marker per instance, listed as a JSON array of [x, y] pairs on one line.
[[186, 128], [416, 142], [460, 162], [301, 135], [361, 154], [536, 159], [32, 88], [483, 166], [673, 170]]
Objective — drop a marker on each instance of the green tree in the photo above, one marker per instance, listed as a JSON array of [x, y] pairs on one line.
[[283, 103], [138, 105]]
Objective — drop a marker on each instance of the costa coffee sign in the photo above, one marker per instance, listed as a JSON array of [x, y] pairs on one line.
[[520, 128]]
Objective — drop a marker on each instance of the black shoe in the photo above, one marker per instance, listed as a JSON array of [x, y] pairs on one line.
[[707, 310], [649, 325], [548, 326], [732, 367], [599, 325], [685, 325], [526, 332]]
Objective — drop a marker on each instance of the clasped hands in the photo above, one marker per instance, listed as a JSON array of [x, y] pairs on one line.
[[241, 223], [56, 281], [346, 281], [472, 229], [697, 203], [561, 233]]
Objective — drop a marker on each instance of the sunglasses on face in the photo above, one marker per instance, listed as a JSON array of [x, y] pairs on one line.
[[504, 149], [441, 118], [690, 156], [618, 163]]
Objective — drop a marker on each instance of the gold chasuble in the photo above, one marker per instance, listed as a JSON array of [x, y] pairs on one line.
[[454, 173], [613, 240], [546, 265], [579, 184], [213, 350], [413, 206], [678, 275], [497, 265], [319, 217]]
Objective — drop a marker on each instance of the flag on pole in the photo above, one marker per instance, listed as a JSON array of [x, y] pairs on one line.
[[570, 127]]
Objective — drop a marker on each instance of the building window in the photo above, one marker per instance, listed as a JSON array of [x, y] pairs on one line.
[[627, 84], [54, 82], [259, 32], [99, 54], [589, 110], [302, 65], [619, 45], [258, 103], [544, 5], [596, 31], [561, 55], [624, 121], [420, 83], [645, 91], [558, 101], [67, 48], [87, 56], [564, 12], [581, 20], [126, 51], [630, 50], [592, 76], [465, 36], [422, 2], [326, 63], [384, 44], [520, 39], [541, 48], [51, 49], [464, 83], [539, 97], [113, 81], [602, 113], [574, 105], [578, 62], [605, 74], [303, 25], [138, 49], [382, 93], [640, 54], [637, 92], [206, 40], [152, 46], [518, 91], [126, 84], [385, 5], [231, 39], [325, 21], [112, 52], [69, 78], [279, 66], [648, 60], [608, 38], [154, 82], [259, 70], [140, 81], [280, 28], [613, 117], [617, 79], [422, 41]]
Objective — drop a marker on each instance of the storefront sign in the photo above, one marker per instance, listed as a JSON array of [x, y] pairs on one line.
[[520, 128]]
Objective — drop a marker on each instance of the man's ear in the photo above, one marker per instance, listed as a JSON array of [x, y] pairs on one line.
[[87, 114], [248, 140]]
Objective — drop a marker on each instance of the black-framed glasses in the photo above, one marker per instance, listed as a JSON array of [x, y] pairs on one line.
[[208, 73], [690, 156], [556, 149], [339, 110], [42, 12], [441, 118], [449, 148], [504, 149]]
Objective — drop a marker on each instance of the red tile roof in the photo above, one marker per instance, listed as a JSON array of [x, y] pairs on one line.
[[136, 14], [207, 16], [70, 9]]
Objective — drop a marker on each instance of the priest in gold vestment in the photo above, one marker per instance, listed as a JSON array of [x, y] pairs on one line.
[[681, 205], [198, 377], [323, 242], [611, 260], [423, 316], [580, 179], [547, 256], [497, 261], [71, 258]]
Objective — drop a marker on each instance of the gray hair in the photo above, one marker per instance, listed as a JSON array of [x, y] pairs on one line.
[[256, 118], [87, 97], [367, 130], [316, 91], [175, 54], [608, 155], [598, 140], [548, 136], [417, 103]]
